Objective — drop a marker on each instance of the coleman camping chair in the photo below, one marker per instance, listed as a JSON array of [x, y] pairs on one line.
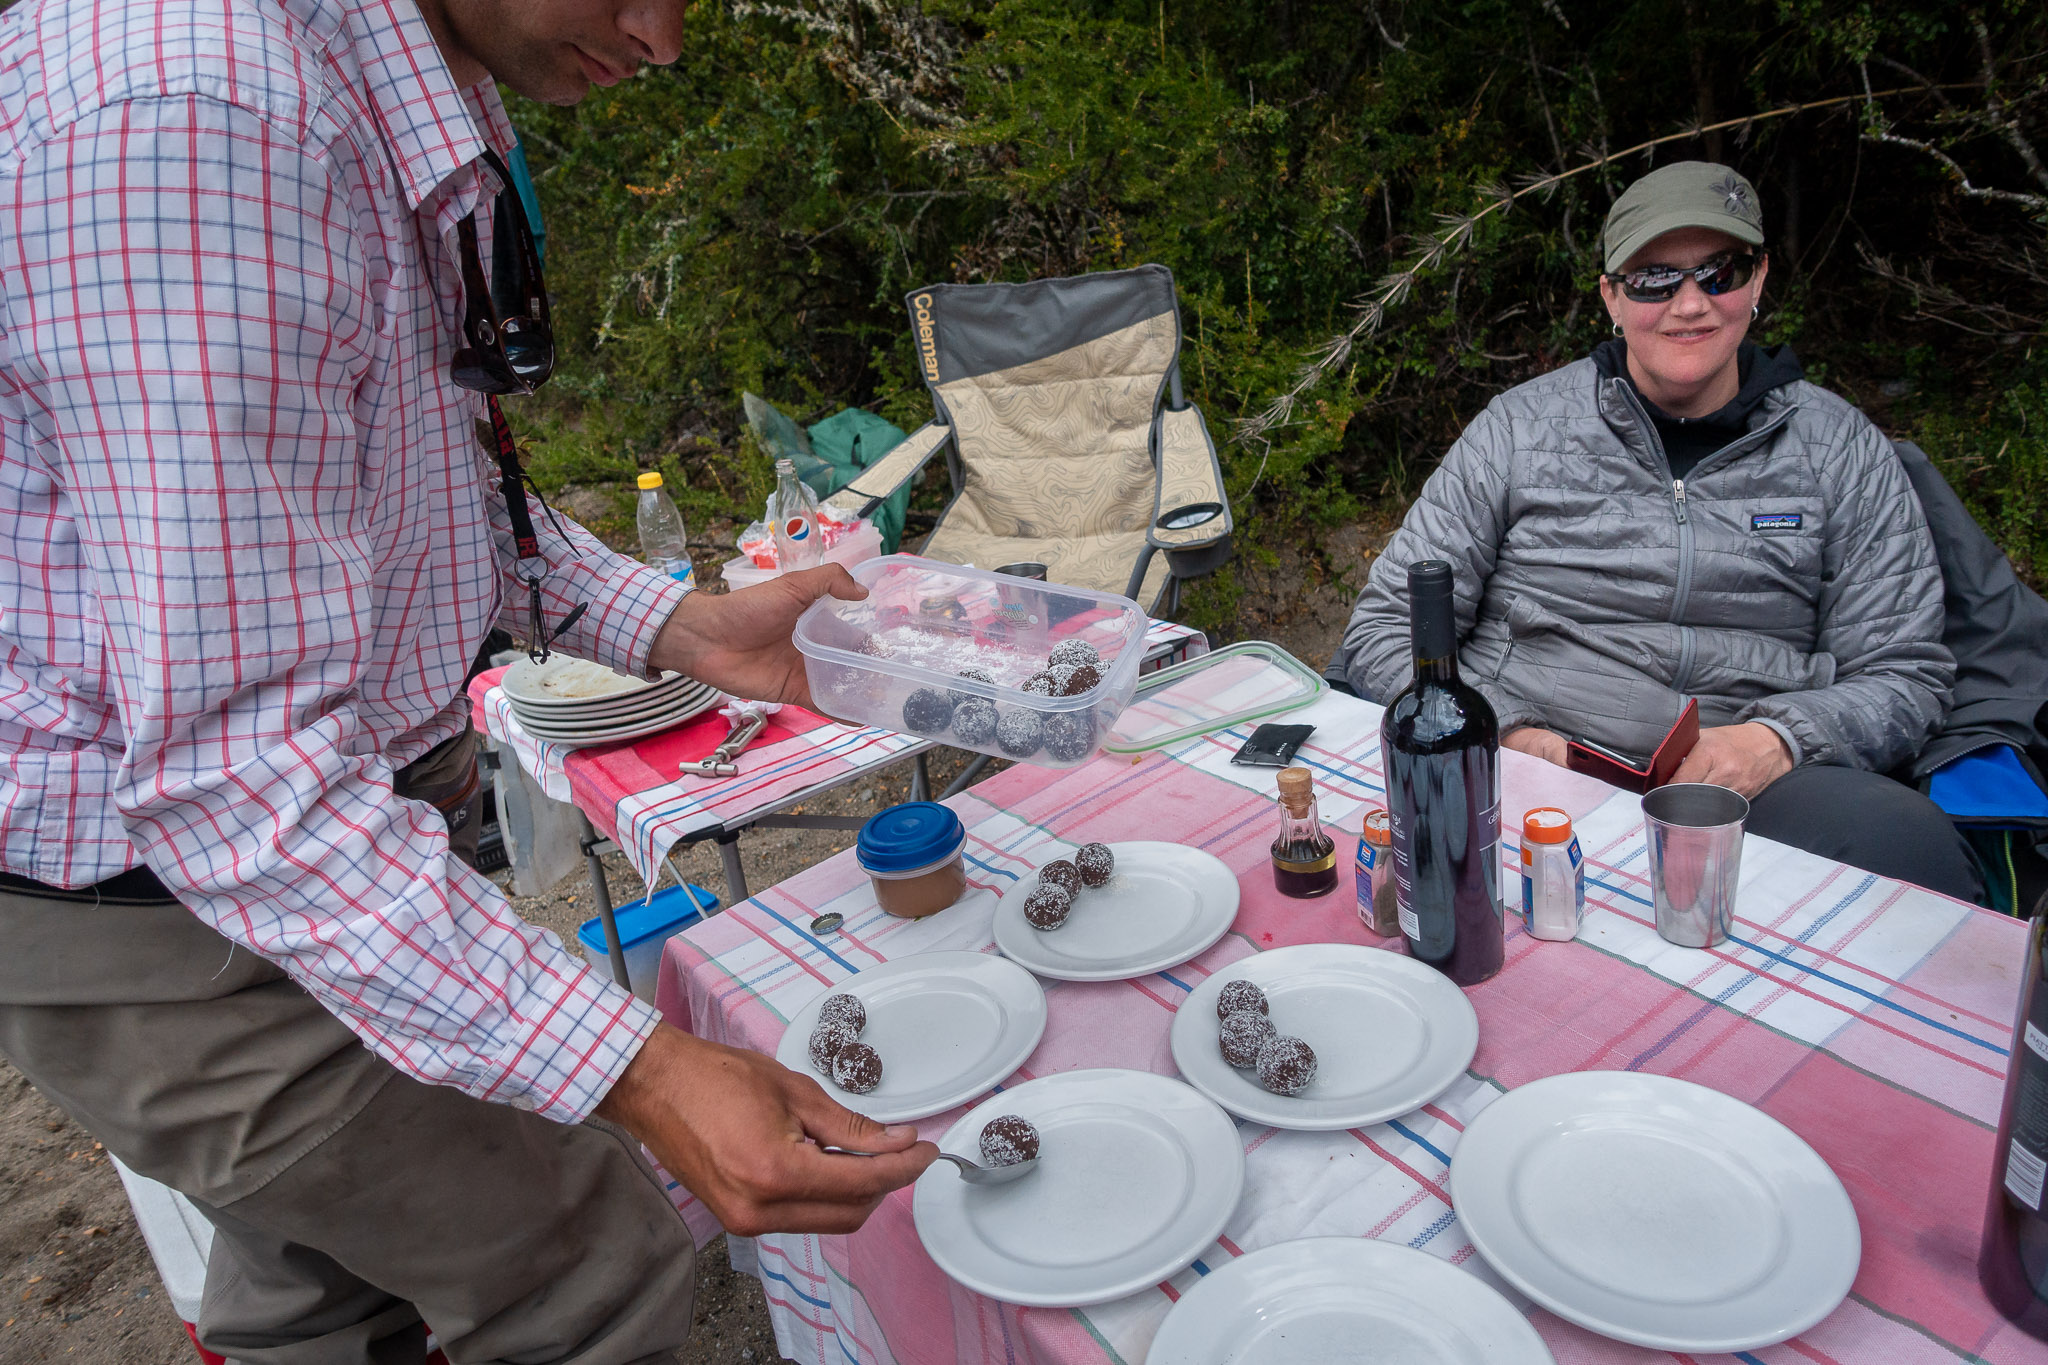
[[1984, 766], [1068, 441]]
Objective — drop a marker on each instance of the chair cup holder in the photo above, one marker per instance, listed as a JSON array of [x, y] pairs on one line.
[[1188, 516]]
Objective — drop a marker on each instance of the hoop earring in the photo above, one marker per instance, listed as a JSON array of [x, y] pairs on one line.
[[1617, 329], [1755, 312]]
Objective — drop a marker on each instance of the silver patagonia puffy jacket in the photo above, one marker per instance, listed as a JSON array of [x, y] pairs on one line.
[[1789, 578]]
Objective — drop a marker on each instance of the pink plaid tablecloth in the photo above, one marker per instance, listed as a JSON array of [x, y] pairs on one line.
[[1870, 1016], [634, 796]]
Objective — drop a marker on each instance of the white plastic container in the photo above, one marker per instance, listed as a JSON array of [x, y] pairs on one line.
[[864, 544], [1553, 876], [924, 621]]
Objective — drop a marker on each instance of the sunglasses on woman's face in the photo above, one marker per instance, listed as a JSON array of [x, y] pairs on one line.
[[1661, 283]]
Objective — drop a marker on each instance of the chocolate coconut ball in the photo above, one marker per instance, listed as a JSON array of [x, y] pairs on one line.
[[845, 1009], [927, 711], [857, 1068], [1008, 1140], [1096, 864], [1239, 996], [1241, 1035], [1019, 733], [976, 674], [1048, 906], [974, 721], [1287, 1066], [1076, 679], [827, 1038], [1062, 874], [1069, 735], [1072, 653], [1043, 683]]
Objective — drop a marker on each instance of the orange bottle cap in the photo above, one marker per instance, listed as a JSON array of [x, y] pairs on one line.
[[1546, 825]]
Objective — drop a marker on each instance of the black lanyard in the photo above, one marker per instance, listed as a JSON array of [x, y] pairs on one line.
[[512, 481]]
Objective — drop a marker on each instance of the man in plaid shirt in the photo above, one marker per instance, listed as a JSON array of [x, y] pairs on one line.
[[252, 544]]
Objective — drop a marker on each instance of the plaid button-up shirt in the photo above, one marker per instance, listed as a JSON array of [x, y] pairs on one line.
[[250, 541]]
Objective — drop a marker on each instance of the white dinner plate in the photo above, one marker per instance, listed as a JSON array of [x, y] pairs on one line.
[[1165, 903], [1656, 1211], [1350, 1299], [1136, 1177], [575, 735], [1389, 1033], [641, 706], [566, 681], [615, 709], [947, 1025]]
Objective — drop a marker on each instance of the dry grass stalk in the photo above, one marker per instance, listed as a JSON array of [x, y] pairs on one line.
[[1395, 287]]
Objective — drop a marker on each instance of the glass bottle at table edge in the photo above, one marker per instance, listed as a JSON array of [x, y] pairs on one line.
[[2012, 1260], [799, 544], [1440, 748], [1304, 857]]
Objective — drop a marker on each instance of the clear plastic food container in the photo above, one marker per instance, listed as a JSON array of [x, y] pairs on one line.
[[975, 659]]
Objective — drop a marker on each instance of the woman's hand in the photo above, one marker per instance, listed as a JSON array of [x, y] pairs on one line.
[[740, 642], [1547, 745], [1745, 758]]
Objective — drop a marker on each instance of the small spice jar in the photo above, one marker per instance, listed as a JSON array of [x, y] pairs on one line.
[[1376, 907], [911, 852]]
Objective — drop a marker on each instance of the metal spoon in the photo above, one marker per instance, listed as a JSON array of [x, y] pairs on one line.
[[969, 1171]]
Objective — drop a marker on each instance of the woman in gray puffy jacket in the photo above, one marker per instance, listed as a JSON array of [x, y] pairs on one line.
[[1681, 515]]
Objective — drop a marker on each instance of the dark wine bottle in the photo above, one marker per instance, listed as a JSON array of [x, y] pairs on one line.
[[2013, 1262], [1440, 745]]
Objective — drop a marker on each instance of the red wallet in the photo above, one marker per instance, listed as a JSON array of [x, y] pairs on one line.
[[1637, 774]]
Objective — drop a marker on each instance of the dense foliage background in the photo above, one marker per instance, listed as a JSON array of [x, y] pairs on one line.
[[1330, 184]]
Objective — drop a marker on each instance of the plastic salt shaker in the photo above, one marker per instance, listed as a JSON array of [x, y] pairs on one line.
[[1553, 876]]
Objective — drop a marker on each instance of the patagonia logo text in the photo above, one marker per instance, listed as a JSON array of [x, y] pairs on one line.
[[927, 342], [1776, 521]]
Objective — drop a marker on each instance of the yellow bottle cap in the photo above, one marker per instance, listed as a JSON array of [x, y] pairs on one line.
[[649, 480]]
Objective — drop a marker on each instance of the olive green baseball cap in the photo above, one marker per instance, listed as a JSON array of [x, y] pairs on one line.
[[1685, 194]]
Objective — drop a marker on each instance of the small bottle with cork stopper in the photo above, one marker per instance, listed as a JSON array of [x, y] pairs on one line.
[[1304, 858]]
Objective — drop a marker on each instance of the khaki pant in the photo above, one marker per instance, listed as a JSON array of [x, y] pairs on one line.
[[350, 1203]]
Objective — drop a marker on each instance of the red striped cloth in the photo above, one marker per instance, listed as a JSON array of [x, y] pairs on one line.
[[1871, 1017], [633, 794]]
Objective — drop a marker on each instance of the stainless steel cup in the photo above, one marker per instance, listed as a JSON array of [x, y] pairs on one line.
[[1695, 833], [1024, 569]]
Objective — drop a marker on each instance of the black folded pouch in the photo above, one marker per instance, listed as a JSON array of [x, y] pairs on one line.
[[1272, 746]]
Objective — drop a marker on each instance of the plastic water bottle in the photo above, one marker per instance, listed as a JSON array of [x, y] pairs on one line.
[[798, 543], [662, 542]]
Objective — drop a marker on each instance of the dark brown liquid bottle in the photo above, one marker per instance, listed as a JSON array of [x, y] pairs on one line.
[[2012, 1264], [1304, 858], [1440, 745]]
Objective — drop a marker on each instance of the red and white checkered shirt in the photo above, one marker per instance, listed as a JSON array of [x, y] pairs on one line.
[[250, 541]]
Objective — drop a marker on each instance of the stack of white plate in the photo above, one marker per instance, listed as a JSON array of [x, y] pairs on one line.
[[574, 701]]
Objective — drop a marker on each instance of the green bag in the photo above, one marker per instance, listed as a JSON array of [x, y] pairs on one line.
[[832, 453]]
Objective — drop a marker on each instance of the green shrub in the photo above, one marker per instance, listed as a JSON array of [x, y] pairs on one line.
[[752, 217]]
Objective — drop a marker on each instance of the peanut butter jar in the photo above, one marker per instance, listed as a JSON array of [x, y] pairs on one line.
[[912, 855]]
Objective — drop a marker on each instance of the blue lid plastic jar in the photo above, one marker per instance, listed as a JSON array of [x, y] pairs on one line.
[[912, 853]]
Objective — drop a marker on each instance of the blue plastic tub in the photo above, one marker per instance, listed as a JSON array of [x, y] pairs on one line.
[[644, 927]]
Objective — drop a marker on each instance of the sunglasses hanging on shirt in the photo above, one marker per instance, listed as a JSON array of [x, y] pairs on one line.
[[511, 350], [1661, 283]]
